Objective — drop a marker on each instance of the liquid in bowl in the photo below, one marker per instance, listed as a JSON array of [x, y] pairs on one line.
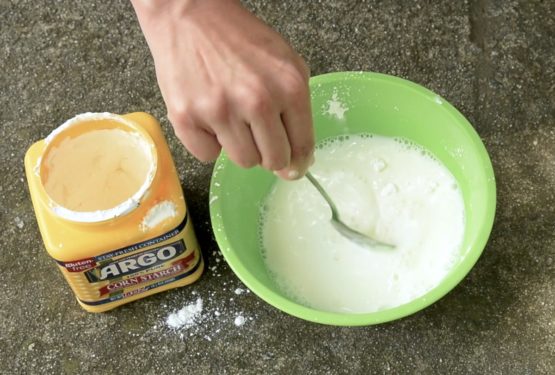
[[389, 188]]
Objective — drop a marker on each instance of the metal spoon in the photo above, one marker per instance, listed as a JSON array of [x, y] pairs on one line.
[[341, 227]]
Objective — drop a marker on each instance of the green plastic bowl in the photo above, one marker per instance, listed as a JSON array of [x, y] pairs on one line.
[[378, 104]]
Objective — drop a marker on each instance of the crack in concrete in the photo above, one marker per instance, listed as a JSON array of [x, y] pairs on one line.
[[479, 30], [477, 19]]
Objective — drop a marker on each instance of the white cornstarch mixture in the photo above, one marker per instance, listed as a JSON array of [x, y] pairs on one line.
[[388, 188]]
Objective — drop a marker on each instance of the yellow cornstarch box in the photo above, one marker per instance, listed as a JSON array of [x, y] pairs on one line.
[[111, 210]]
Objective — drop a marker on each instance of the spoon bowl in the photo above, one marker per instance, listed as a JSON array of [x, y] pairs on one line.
[[348, 232]]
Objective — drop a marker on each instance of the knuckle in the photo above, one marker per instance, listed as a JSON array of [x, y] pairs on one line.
[[255, 84], [246, 161], [275, 162], [212, 107], [258, 104], [242, 158], [295, 87], [181, 124], [303, 151], [296, 93], [274, 165], [255, 97], [178, 114]]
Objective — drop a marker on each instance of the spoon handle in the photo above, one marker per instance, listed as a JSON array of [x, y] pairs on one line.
[[316, 184]]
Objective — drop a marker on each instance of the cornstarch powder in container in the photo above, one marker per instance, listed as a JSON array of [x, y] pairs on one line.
[[111, 210]]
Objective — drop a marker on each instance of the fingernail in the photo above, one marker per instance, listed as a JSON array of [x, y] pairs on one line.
[[293, 174]]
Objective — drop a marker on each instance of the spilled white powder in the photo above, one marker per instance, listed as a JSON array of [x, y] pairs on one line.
[[213, 199], [336, 108], [19, 223], [187, 317], [239, 320], [158, 214], [210, 313]]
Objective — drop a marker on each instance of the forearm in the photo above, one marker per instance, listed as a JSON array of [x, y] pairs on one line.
[[147, 9], [154, 6]]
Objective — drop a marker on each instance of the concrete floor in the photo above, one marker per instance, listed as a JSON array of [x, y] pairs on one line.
[[492, 59]]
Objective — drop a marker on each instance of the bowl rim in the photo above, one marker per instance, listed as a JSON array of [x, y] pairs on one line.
[[395, 313]]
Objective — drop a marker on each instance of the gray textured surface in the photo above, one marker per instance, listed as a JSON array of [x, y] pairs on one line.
[[494, 60]]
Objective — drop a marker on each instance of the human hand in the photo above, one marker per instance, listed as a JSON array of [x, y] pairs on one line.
[[229, 81]]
